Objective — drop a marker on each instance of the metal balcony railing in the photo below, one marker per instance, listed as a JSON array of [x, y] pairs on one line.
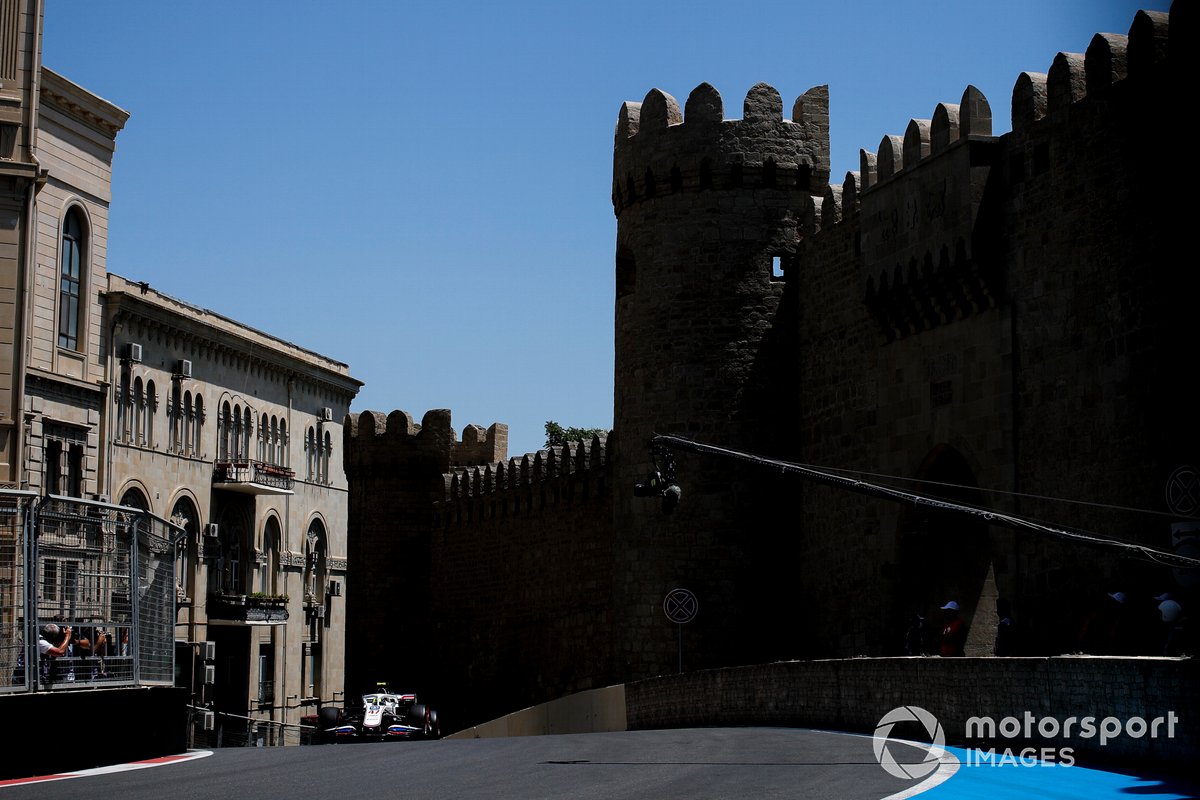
[[254, 477], [247, 608]]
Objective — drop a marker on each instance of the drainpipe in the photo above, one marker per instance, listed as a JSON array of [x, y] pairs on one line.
[[286, 547], [21, 356]]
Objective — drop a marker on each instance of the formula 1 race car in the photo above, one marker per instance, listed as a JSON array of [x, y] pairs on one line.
[[383, 716]]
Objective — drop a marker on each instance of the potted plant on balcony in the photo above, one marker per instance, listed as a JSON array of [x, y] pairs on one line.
[[267, 600]]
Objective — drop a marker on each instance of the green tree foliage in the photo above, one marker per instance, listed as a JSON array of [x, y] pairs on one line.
[[556, 434]]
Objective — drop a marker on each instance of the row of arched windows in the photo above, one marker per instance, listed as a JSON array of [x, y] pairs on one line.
[[231, 571], [234, 425], [317, 450], [185, 422], [137, 403], [272, 441]]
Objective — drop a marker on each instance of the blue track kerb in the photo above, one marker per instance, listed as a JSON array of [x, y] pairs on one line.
[[1054, 782]]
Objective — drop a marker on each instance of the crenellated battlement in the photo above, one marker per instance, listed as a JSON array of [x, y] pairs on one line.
[[918, 197], [370, 438], [514, 478], [660, 150]]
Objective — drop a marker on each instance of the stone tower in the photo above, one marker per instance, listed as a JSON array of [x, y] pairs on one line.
[[709, 213]]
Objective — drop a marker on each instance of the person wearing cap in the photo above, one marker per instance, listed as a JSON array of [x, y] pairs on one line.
[[1171, 635], [954, 632]]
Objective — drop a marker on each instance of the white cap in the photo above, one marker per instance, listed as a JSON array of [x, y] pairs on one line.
[[951, 606], [1118, 596]]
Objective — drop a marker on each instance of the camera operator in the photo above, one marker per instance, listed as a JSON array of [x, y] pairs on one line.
[[51, 631]]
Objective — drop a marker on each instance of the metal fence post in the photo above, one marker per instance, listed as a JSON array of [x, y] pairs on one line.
[[32, 656]]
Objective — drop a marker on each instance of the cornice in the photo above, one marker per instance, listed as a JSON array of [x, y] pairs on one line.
[[63, 383], [90, 109], [128, 300]]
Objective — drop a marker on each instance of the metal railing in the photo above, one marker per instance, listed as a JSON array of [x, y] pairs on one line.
[[259, 472], [105, 572], [209, 728]]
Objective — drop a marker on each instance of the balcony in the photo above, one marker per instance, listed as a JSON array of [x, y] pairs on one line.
[[234, 609], [253, 477]]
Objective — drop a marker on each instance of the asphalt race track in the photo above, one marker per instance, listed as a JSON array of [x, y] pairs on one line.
[[688, 764]]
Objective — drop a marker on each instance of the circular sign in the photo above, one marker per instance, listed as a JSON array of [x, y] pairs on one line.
[[1183, 491], [680, 606]]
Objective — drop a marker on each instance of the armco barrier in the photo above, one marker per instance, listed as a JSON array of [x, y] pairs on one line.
[[51, 732], [853, 694]]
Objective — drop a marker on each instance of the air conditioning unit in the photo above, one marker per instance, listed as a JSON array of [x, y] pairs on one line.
[[208, 720], [212, 530], [210, 674], [318, 612], [183, 368], [133, 351], [335, 588], [326, 414], [210, 650]]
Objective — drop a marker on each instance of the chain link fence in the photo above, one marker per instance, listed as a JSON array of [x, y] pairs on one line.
[[87, 594]]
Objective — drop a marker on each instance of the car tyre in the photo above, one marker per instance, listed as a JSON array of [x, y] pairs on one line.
[[435, 729], [418, 717], [327, 717]]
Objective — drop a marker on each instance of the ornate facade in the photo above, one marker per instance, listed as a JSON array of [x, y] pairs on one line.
[[112, 390]]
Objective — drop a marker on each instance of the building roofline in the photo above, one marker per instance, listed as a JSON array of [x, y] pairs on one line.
[[140, 297], [87, 107]]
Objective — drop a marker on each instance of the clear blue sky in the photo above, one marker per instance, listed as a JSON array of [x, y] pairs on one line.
[[421, 189]]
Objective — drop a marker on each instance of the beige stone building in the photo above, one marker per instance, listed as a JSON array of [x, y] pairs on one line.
[[111, 390], [235, 435]]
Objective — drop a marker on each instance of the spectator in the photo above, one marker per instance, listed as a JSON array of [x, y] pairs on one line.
[[49, 653], [954, 632], [1007, 633], [1098, 634], [916, 638], [1172, 626]]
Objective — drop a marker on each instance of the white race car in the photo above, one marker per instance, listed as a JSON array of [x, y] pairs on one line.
[[383, 716]]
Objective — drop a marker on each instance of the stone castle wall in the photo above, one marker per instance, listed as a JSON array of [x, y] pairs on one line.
[[990, 318], [491, 575]]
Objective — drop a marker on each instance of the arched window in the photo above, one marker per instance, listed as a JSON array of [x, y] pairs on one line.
[[263, 442], [224, 432], [198, 427], [235, 444], [187, 422], [123, 407], [284, 458], [151, 408], [314, 562], [173, 413], [139, 409], [133, 498], [184, 515], [275, 448], [71, 263], [247, 426], [310, 453], [326, 452], [272, 537]]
